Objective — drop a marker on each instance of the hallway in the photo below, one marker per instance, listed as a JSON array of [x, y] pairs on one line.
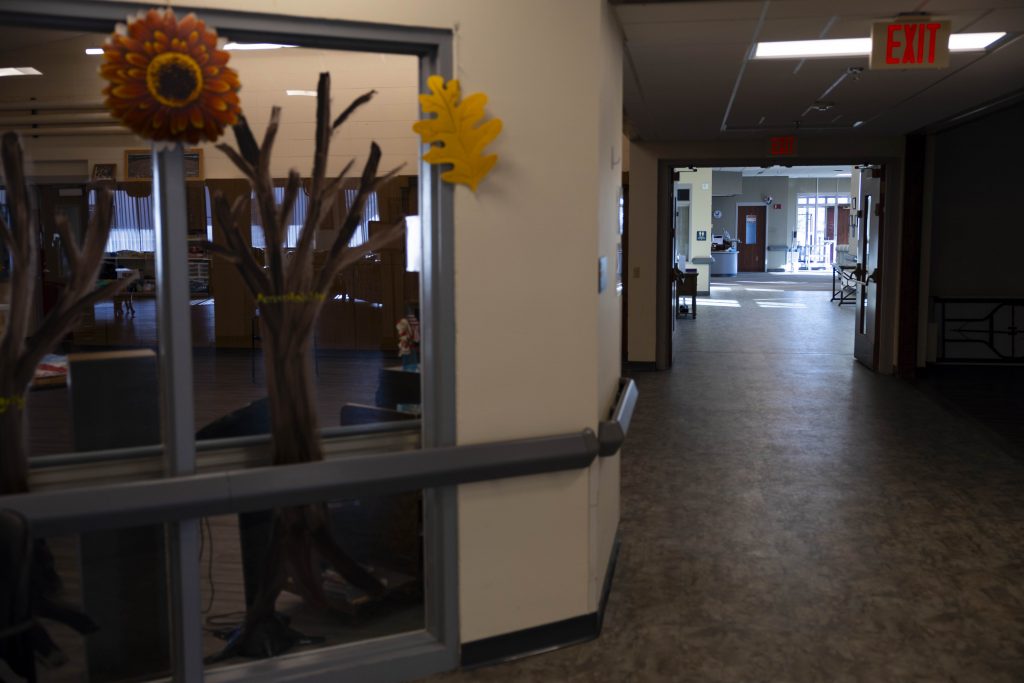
[[787, 516]]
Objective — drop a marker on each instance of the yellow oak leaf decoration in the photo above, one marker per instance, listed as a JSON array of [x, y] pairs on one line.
[[455, 127]]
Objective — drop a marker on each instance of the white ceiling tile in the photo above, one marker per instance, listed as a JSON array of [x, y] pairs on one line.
[[1009, 20], [793, 28], [689, 11], [654, 33]]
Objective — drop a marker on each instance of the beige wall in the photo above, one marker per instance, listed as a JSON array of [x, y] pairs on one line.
[[743, 152], [643, 217], [604, 473], [701, 187]]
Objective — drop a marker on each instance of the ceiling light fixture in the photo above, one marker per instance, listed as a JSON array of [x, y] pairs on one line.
[[255, 46], [19, 71], [300, 93], [94, 50], [857, 47]]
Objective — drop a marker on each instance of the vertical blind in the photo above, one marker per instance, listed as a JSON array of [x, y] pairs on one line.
[[298, 216], [132, 224]]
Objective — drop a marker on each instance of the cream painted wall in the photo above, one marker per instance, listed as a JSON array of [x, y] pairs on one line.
[[701, 187], [744, 152], [604, 473], [643, 218], [529, 322]]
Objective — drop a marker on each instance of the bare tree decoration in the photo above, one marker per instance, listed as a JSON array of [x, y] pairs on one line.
[[21, 348], [289, 294]]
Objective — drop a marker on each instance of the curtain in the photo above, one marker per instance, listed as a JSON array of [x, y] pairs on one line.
[[131, 225], [298, 218]]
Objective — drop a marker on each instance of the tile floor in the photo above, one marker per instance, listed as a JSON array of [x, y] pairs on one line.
[[788, 516]]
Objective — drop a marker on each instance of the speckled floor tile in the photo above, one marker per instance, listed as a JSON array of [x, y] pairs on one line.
[[788, 516]]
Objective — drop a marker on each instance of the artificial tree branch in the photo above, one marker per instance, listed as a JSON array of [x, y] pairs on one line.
[[20, 350]]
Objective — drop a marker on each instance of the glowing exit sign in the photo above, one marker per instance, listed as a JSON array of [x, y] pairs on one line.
[[910, 43], [782, 146]]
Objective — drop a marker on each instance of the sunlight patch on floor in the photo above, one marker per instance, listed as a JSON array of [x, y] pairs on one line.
[[780, 304]]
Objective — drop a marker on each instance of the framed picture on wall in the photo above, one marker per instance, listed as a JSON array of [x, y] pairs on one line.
[[138, 164], [104, 171]]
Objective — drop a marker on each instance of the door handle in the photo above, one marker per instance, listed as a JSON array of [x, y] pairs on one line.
[[875, 276], [858, 273]]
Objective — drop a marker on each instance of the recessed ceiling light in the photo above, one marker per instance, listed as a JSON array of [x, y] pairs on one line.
[[858, 124], [254, 46], [94, 50], [968, 42], [855, 47], [19, 71], [300, 93]]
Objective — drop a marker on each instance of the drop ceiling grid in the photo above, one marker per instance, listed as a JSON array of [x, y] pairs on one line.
[[692, 32], [791, 94], [986, 79]]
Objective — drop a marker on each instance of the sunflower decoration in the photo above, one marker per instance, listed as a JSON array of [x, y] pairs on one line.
[[168, 80]]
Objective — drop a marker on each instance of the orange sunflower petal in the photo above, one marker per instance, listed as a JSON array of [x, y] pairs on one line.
[[155, 43]]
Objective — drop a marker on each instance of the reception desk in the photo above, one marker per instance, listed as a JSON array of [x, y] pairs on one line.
[[724, 263]]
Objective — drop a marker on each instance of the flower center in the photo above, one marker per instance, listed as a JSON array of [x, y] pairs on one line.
[[174, 79]]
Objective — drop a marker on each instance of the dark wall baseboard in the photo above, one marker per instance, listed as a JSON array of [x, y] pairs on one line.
[[545, 638]]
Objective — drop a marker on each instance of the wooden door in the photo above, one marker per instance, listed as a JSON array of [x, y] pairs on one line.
[[69, 202], [843, 225], [751, 231], [870, 210]]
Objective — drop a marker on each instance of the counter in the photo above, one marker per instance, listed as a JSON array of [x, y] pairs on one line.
[[724, 263]]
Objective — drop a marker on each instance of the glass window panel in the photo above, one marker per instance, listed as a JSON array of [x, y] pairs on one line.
[[110, 590], [382, 535], [357, 369]]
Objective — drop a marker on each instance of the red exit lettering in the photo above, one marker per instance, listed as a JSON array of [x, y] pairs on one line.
[[783, 145], [917, 45]]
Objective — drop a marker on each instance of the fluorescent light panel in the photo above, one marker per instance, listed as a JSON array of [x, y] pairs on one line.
[[857, 47], [254, 46], [19, 71], [300, 93], [94, 50]]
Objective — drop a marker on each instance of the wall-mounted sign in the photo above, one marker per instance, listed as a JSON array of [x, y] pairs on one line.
[[783, 146], [776, 206], [702, 235], [910, 43]]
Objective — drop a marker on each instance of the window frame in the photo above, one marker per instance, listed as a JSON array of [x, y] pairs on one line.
[[436, 647]]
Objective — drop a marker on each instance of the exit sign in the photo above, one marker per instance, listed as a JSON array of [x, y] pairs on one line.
[[910, 43], [783, 146]]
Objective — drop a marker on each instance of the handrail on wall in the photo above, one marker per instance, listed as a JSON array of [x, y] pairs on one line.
[[159, 501], [612, 432], [139, 452]]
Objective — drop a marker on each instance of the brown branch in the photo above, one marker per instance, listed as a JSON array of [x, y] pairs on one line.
[[268, 141], [6, 240], [250, 269], [356, 103], [58, 323], [323, 132], [244, 166], [351, 255], [246, 142]]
